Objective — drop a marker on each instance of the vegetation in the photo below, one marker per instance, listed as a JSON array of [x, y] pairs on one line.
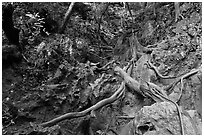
[[101, 68]]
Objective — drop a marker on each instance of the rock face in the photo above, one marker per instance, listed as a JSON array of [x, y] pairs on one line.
[[161, 119]]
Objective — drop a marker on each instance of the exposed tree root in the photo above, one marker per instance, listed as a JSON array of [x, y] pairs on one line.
[[157, 93], [180, 79], [100, 104], [150, 90], [157, 71], [177, 79]]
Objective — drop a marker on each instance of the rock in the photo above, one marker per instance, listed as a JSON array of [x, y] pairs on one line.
[[161, 119]]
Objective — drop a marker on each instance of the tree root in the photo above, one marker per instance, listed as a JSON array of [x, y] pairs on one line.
[[180, 79], [133, 84], [158, 73], [156, 92], [150, 90], [177, 79], [98, 105]]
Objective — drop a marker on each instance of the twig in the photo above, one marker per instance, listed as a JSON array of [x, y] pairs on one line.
[[125, 117], [25, 58], [105, 67]]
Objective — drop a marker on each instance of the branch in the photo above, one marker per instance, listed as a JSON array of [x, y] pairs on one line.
[[66, 17]]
